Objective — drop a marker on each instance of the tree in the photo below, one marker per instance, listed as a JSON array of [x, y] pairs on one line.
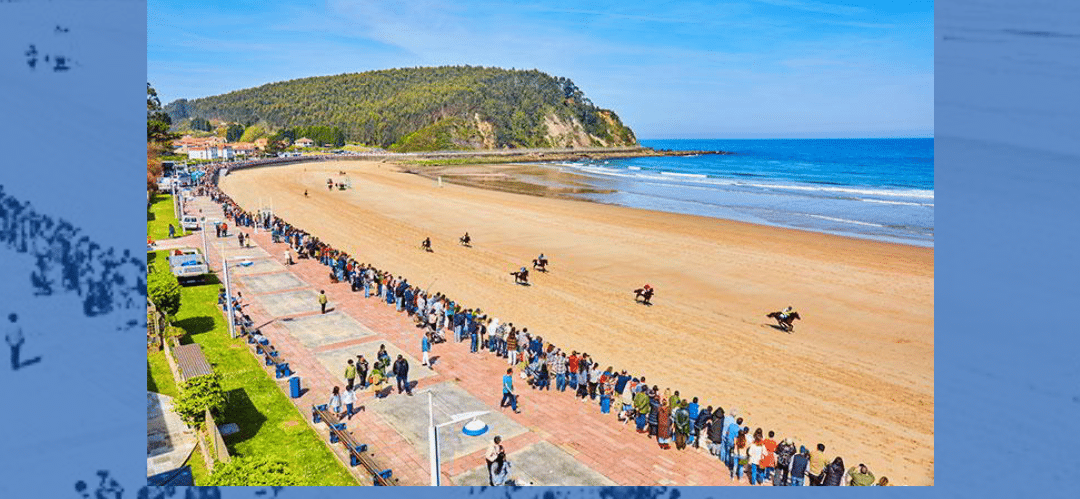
[[253, 471], [201, 124], [234, 132], [164, 290], [198, 395], [157, 120]]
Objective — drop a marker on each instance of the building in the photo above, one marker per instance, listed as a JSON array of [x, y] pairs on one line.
[[245, 149], [305, 142], [212, 152]]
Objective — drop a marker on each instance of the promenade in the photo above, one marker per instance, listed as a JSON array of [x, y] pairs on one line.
[[555, 440]]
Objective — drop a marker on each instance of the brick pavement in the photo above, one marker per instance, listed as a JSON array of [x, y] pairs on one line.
[[597, 440]]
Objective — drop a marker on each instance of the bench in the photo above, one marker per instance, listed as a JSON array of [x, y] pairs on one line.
[[272, 358], [357, 451]]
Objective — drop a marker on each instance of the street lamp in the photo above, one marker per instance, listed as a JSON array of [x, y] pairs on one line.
[[473, 428]]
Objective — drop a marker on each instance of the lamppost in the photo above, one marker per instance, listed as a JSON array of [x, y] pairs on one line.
[[473, 428], [228, 293]]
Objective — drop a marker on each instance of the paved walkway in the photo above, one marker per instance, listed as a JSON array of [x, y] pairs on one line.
[[615, 452]]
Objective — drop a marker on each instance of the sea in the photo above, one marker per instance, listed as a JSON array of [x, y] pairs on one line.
[[881, 189]]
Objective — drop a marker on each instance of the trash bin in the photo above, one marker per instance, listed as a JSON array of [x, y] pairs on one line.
[[294, 387]]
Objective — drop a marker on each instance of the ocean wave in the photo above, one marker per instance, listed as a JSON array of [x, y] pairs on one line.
[[903, 203], [685, 175], [844, 220], [699, 178]]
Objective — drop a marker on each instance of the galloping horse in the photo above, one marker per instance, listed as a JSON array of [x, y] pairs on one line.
[[426, 245], [785, 322], [465, 240], [521, 277], [645, 293], [540, 264]]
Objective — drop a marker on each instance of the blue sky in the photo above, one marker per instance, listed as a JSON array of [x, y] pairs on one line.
[[741, 69]]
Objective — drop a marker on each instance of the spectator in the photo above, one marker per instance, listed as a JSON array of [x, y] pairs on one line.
[[350, 375], [702, 424], [683, 424], [818, 463], [860, 476], [784, 452], [883, 482], [739, 454], [362, 370], [348, 398], [755, 455], [654, 413], [322, 300], [834, 473], [335, 402], [800, 466], [425, 347], [715, 434], [768, 463], [401, 371], [492, 457], [663, 434], [15, 340], [641, 409], [508, 391]]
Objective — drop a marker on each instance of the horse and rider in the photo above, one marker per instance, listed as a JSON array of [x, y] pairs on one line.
[[645, 293], [785, 318], [426, 245], [521, 276], [540, 263], [465, 240]]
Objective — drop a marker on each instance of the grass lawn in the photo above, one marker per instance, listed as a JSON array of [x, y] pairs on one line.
[[158, 376], [269, 424], [158, 217]]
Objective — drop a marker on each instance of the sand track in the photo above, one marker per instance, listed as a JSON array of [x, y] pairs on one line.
[[858, 374]]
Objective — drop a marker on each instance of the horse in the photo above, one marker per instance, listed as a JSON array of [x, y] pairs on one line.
[[644, 293], [786, 323], [540, 264], [465, 240], [521, 277], [426, 245]]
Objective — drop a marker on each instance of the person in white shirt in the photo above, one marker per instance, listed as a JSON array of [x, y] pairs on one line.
[[15, 340], [348, 398], [495, 454]]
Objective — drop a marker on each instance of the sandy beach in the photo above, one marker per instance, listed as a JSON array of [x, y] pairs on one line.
[[857, 374]]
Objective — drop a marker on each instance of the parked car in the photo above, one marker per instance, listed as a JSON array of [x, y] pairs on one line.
[[187, 264]]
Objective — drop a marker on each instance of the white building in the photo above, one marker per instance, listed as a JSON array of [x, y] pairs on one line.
[[211, 152]]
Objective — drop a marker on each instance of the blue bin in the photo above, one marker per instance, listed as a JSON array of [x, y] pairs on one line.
[[294, 387]]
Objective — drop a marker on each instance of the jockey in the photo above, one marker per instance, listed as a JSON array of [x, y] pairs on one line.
[[785, 313], [540, 258]]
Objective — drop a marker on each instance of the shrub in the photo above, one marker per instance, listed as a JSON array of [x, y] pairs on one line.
[[164, 291], [197, 395], [252, 471]]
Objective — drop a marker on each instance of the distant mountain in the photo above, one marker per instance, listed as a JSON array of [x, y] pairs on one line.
[[415, 109]]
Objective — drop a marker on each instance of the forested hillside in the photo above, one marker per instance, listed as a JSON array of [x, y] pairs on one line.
[[453, 107]]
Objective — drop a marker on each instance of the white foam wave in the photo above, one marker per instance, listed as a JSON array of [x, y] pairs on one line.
[[844, 220], [705, 179], [685, 175], [903, 203]]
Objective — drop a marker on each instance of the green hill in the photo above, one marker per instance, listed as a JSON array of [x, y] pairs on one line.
[[451, 107]]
